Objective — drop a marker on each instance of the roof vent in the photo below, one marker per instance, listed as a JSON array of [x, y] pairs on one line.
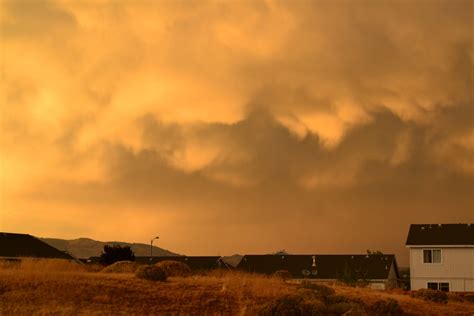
[[422, 227], [469, 225], [352, 257], [283, 257], [439, 225]]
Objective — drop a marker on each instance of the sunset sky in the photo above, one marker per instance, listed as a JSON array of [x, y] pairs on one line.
[[236, 126]]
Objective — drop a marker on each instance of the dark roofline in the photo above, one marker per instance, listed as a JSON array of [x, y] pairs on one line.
[[445, 234], [376, 267], [59, 253]]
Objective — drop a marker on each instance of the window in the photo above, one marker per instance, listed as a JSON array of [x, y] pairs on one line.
[[438, 286], [433, 285], [444, 286], [432, 256]]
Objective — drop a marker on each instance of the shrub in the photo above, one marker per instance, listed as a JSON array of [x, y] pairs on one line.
[[283, 274], [175, 268], [310, 302], [335, 299], [469, 298], [291, 304], [321, 289], [309, 295], [3, 288], [152, 273], [339, 308], [353, 276], [116, 253], [389, 307], [430, 295], [121, 267], [339, 302], [457, 297]]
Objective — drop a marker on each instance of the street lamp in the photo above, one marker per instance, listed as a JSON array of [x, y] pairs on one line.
[[151, 247]]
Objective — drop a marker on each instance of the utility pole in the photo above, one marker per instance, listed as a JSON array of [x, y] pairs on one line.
[[151, 247]]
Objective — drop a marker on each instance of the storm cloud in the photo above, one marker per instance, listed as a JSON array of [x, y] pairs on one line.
[[245, 126]]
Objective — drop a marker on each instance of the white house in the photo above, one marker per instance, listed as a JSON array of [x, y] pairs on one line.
[[442, 257]]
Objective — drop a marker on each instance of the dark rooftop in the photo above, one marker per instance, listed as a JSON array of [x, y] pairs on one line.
[[440, 234], [23, 245], [321, 266]]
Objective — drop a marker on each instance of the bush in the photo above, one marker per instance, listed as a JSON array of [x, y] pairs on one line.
[[151, 273], [121, 267], [283, 274], [310, 302], [389, 307], [430, 295], [321, 289], [469, 298], [116, 253], [291, 304], [3, 288], [175, 268], [457, 297], [339, 308], [355, 305], [336, 299]]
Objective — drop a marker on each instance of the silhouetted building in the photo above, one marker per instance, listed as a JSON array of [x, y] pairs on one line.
[[16, 246], [379, 271]]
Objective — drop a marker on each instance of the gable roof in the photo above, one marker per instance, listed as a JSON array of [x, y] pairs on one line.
[[440, 234], [23, 245], [323, 266]]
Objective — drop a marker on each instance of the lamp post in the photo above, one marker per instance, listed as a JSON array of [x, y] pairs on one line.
[[151, 247]]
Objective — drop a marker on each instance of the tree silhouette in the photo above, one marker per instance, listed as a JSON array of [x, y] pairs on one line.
[[116, 253]]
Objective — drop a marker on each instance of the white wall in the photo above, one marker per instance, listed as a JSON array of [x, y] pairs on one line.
[[456, 267]]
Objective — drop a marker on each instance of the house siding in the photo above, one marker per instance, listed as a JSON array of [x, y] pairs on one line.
[[392, 281], [456, 267]]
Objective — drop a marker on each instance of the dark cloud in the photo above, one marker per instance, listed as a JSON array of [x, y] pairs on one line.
[[30, 19], [356, 187], [308, 125]]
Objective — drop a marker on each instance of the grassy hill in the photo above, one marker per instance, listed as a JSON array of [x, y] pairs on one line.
[[86, 247], [58, 287]]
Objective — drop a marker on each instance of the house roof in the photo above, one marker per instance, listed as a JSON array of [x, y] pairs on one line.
[[440, 234], [23, 245], [322, 266]]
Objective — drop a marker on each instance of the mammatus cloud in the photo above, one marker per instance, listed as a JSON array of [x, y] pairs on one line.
[[237, 119]]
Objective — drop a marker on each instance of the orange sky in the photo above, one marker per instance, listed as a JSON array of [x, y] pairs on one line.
[[236, 126]]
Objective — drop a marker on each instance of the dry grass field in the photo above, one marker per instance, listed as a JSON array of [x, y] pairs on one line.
[[44, 287]]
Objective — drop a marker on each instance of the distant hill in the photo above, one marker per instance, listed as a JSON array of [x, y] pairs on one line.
[[86, 247]]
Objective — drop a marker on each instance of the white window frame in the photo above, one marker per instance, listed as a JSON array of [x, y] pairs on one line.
[[438, 282], [432, 263]]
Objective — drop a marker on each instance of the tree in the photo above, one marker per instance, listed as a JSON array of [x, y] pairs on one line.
[[116, 253], [353, 276], [374, 252]]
